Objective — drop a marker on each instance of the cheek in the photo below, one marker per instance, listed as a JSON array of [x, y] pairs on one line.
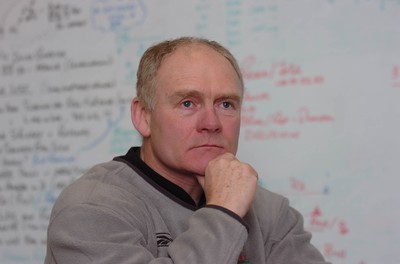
[[231, 133], [171, 129], [232, 127]]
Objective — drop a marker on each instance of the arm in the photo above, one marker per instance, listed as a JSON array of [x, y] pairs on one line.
[[213, 236], [88, 233], [232, 184], [289, 242]]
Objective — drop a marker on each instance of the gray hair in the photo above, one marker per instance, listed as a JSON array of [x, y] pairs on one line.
[[153, 58]]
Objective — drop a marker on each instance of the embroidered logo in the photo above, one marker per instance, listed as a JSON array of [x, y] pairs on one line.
[[242, 258], [163, 239], [243, 261]]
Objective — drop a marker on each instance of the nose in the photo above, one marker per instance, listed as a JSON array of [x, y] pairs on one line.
[[209, 120]]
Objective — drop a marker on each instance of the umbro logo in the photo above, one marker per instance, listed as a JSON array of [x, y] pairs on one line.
[[163, 239]]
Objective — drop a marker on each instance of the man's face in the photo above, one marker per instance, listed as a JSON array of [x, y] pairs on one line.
[[196, 116]]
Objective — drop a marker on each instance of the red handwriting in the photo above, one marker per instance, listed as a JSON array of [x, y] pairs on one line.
[[318, 223], [248, 109], [303, 81], [250, 135], [316, 212], [278, 118], [305, 116], [253, 121], [252, 97], [343, 230], [297, 185], [395, 72], [396, 76], [288, 69], [284, 74], [248, 73], [331, 252]]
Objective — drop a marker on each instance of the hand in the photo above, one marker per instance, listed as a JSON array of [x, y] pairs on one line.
[[229, 183]]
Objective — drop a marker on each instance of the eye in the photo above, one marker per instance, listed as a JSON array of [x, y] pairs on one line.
[[187, 103], [226, 104]]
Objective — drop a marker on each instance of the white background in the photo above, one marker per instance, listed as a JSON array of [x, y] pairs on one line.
[[321, 118]]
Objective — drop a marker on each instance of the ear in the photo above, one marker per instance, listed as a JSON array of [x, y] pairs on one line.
[[140, 117]]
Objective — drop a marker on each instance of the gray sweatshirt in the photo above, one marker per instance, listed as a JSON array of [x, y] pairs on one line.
[[122, 212]]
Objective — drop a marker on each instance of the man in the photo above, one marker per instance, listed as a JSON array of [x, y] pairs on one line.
[[182, 197]]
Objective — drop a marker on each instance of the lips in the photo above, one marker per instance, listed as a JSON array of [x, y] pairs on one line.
[[210, 149], [209, 146]]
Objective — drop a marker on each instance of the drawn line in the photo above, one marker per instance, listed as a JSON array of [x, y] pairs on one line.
[[110, 126]]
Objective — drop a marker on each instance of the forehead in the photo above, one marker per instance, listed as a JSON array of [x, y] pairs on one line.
[[193, 51], [197, 59]]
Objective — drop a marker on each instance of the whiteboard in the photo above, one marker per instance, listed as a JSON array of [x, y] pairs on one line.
[[321, 118]]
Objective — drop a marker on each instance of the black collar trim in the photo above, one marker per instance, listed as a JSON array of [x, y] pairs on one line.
[[173, 191]]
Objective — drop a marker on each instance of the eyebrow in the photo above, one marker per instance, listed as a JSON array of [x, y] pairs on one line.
[[185, 93], [194, 93]]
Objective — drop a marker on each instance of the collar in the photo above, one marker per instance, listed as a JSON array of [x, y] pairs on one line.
[[132, 158]]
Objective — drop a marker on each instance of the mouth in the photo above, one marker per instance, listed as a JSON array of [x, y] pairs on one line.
[[208, 146]]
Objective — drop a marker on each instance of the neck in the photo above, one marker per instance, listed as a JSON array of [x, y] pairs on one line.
[[188, 183]]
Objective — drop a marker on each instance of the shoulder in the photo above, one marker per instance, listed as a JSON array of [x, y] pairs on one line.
[[270, 201], [272, 209], [102, 176], [109, 187], [268, 207], [275, 215], [105, 202]]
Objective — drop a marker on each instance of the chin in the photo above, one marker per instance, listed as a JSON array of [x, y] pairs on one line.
[[208, 155], [199, 158], [200, 163]]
